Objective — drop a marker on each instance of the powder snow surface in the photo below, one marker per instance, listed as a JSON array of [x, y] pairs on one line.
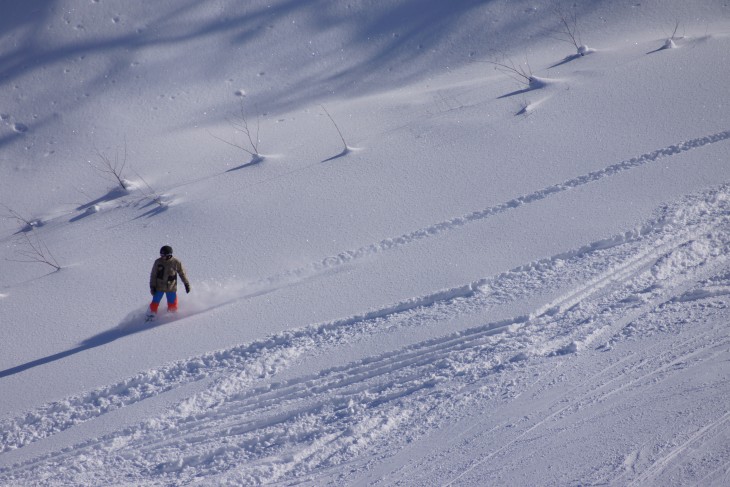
[[429, 242]]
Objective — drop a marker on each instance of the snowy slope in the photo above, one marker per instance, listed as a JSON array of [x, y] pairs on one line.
[[492, 284]]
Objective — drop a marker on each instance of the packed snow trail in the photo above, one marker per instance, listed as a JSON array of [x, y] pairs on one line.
[[249, 427]]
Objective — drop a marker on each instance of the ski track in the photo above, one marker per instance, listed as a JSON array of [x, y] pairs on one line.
[[642, 369], [271, 431], [705, 433], [633, 371], [454, 223], [445, 226], [601, 385], [62, 415]]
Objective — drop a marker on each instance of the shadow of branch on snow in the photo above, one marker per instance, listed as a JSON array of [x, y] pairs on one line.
[[344, 152], [257, 159]]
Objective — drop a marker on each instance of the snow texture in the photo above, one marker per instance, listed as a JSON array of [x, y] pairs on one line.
[[408, 267]]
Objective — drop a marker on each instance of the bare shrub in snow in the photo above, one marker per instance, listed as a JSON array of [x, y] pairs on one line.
[[524, 108], [149, 193], [670, 42], [346, 148], [522, 73], [26, 223], [114, 169], [568, 29], [250, 144], [33, 250]]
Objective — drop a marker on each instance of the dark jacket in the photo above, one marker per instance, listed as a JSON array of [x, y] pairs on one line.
[[164, 275]]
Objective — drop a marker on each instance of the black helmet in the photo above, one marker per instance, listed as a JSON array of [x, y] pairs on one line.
[[166, 250]]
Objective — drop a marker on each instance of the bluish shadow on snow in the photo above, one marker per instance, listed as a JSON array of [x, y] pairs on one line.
[[81, 216], [30, 226], [518, 92], [135, 322], [254, 161], [666, 46], [205, 297], [158, 207], [8, 138], [395, 44], [534, 84], [344, 152], [566, 60], [89, 211], [91, 342], [113, 194], [29, 17]]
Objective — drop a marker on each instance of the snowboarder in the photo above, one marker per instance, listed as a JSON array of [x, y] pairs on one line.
[[163, 281]]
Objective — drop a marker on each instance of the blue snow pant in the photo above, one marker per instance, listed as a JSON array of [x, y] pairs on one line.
[[171, 301]]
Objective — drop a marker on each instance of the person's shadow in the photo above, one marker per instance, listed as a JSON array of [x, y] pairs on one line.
[[127, 327]]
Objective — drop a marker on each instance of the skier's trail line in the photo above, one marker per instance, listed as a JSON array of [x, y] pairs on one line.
[[598, 390], [620, 258], [278, 429], [541, 194], [353, 398]]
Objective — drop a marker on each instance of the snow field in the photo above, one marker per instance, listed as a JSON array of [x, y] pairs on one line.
[[487, 280], [614, 292]]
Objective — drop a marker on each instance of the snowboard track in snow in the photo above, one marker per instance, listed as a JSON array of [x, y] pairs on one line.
[[248, 427], [475, 216]]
